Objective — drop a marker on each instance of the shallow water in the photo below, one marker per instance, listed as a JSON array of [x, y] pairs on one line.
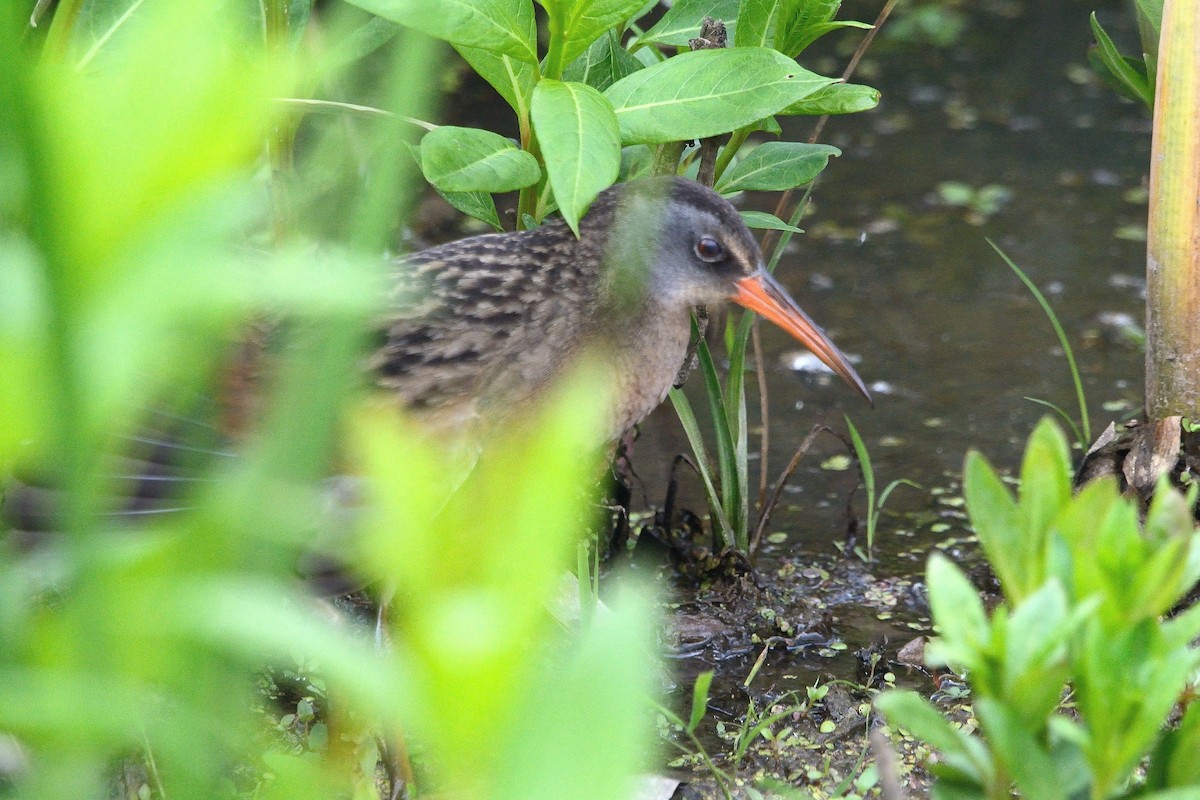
[[942, 330]]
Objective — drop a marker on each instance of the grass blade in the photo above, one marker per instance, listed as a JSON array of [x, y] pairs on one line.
[[683, 409], [1085, 424]]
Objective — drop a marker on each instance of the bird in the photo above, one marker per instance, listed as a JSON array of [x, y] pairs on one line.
[[484, 325], [477, 331]]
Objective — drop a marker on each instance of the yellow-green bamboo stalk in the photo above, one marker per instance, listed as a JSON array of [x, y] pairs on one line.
[[1173, 247]]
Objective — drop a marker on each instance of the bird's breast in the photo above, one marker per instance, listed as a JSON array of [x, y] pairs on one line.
[[647, 358]]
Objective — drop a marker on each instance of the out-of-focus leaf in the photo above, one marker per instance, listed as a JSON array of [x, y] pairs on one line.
[[706, 92], [580, 142], [596, 693], [1019, 751], [908, 710], [502, 26], [473, 160], [957, 609]]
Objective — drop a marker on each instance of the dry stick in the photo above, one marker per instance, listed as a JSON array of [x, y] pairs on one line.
[[765, 516], [768, 243]]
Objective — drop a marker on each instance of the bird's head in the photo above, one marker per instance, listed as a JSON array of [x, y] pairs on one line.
[[696, 250]]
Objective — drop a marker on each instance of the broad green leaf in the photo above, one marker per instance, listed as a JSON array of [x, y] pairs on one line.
[[699, 699], [478, 205], [957, 609], [707, 92], [908, 710], [603, 64], [1116, 64], [763, 221], [1035, 660], [997, 522], [501, 26], [1019, 751], [757, 20], [472, 160], [604, 679], [776, 167], [575, 24], [512, 78], [837, 98], [1045, 491], [580, 144], [682, 21]]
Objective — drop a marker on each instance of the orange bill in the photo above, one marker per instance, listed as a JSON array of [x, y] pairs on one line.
[[761, 293]]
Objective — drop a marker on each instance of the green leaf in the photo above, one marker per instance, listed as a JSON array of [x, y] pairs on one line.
[[799, 38], [997, 522], [788, 26], [837, 98], [732, 491], [699, 699], [501, 26], [957, 609], [472, 160], [1019, 751], [682, 21], [757, 20], [687, 418], [764, 221], [575, 24], [706, 92], [479, 205], [1133, 80], [908, 710], [776, 167], [512, 78], [603, 64], [1045, 492], [580, 143]]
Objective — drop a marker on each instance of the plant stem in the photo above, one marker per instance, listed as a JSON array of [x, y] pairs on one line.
[[736, 140], [1172, 254]]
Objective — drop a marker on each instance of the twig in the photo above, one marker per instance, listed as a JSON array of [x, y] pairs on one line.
[[765, 515]]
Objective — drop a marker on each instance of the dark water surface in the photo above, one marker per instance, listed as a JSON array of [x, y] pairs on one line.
[[942, 330]]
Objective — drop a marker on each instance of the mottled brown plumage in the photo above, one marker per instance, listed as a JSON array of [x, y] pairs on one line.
[[480, 328], [483, 325]]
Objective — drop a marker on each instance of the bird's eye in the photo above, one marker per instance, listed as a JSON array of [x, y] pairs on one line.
[[709, 249]]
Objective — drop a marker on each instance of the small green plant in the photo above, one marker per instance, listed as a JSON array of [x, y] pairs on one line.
[[141, 228], [1083, 431], [874, 506], [1086, 586], [1131, 77], [610, 98]]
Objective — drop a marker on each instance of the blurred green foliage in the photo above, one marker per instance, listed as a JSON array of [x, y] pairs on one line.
[[1076, 674], [156, 196]]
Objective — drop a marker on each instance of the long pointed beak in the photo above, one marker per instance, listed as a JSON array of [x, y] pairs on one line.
[[761, 293]]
